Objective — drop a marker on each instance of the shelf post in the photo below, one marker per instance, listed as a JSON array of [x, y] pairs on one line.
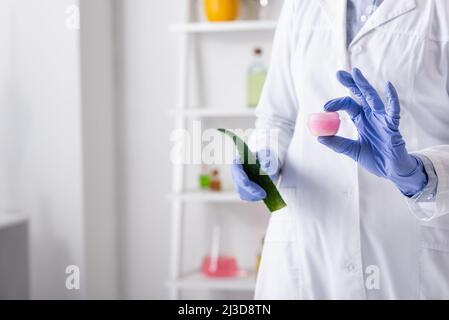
[[178, 169]]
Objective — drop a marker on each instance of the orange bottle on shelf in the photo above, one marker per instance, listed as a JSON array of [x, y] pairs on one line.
[[221, 10], [215, 183]]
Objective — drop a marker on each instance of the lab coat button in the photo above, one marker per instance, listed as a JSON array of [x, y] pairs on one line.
[[350, 267], [348, 192], [357, 50]]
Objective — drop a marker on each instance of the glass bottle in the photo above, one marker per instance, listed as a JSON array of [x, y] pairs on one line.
[[215, 183], [257, 74], [204, 179], [270, 9]]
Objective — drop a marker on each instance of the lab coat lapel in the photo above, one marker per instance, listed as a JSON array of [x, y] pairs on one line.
[[335, 11], [388, 11]]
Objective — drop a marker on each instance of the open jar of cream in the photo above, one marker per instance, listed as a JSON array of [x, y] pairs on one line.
[[324, 124]]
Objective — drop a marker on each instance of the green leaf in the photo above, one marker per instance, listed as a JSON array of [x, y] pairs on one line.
[[251, 165]]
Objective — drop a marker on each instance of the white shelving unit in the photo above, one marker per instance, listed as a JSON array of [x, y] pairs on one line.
[[207, 197], [183, 113], [241, 26], [198, 281], [211, 112]]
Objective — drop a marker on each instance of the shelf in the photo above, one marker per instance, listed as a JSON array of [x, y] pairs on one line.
[[216, 113], [207, 196], [235, 26], [191, 34], [199, 281]]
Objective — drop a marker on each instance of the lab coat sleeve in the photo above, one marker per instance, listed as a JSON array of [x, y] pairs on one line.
[[277, 109], [426, 211], [429, 192]]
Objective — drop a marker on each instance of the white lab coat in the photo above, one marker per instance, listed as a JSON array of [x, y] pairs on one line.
[[347, 234]]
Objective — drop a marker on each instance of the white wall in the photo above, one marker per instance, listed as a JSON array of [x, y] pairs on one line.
[[56, 142], [146, 91], [99, 152], [42, 99], [8, 122]]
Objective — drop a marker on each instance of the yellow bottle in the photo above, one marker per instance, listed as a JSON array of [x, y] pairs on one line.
[[221, 10]]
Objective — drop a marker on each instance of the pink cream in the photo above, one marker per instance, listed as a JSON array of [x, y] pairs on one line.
[[324, 124]]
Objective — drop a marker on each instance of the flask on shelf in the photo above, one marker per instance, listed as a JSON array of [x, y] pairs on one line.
[[257, 74], [221, 10], [216, 265]]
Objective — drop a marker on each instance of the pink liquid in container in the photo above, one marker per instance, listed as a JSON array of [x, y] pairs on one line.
[[220, 267], [324, 124]]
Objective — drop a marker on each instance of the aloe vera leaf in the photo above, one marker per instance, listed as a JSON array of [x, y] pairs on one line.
[[251, 165]]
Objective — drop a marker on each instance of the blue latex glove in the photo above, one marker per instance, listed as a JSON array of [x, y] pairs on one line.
[[380, 148], [248, 190]]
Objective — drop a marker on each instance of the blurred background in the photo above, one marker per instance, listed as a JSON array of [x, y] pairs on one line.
[[91, 92]]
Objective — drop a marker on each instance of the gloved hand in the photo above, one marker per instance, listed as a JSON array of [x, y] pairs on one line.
[[380, 148], [248, 190]]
